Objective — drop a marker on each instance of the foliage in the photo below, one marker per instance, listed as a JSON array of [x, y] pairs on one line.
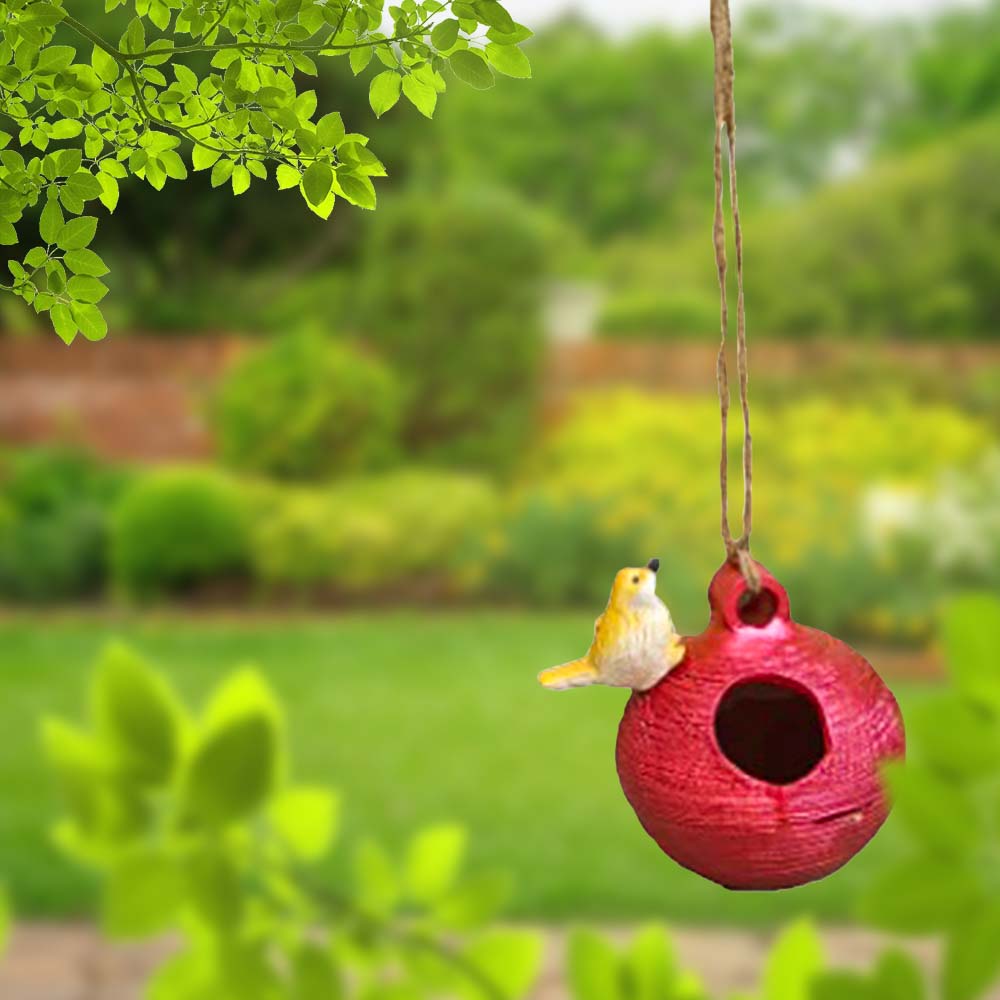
[[652, 461], [176, 529], [197, 826], [795, 969], [647, 970], [434, 262], [611, 134], [559, 554], [409, 533], [944, 884], [88, 116], [907, 249], [54, 524], [307, 407]]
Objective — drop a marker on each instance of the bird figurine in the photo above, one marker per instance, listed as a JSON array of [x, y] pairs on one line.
[[635, 643]]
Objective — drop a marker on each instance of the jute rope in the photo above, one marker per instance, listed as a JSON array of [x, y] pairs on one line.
[[737, 550]]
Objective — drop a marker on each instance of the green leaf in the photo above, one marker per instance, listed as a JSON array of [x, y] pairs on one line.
[[85, 262], [421, 95], [90, 320], [55, 58], [314, 976], [136, 714], [652, 964], [143, 894], [221, 172], [445, 34], [493, 14], [971, 632], [509, 959], [317, 181], [795, 959], [471, 69], [213, 885], [841, 985], [63, 322], [972, 956], [86, 289], [921, 896], [898, 977], [330, 130], [378, 888], [203, 158], [357, 190], [384, 91], [938, 813], [509, 60], [105, 66], [233, 770], [51, 222], [306, 819], [288, 176], [110, 192], [240, 179], [360, 58], [77, 233], [593, 968], [433, 861], [477, 900]]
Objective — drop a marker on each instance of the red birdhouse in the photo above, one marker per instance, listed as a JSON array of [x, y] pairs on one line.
[[755, 762]]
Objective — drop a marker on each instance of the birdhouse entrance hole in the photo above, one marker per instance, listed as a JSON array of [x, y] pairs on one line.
[[770, 730], [758, 609]]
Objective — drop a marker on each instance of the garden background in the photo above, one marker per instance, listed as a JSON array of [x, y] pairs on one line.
[[394, 459]]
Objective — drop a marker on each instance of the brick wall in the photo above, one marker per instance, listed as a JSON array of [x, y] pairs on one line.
[[144, 398]]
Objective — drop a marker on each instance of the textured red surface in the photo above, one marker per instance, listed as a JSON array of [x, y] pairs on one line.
[[711, 816]]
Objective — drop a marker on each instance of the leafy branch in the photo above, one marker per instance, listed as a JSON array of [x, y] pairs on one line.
[[144, 106], [196, 827]]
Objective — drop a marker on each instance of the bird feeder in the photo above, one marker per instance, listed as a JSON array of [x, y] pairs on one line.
[[755, 762]]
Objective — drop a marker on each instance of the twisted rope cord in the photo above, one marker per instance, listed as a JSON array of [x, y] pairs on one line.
[[737, 550]]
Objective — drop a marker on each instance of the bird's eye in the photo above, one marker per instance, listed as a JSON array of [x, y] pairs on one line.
[[635, 579]]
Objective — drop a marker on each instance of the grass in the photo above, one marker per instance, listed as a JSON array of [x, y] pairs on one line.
[[415, 718]]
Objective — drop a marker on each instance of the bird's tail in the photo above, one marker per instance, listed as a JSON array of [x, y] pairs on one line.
[[576, 673]]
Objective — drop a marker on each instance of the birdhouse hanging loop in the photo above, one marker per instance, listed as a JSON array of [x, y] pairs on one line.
[[755, 762]]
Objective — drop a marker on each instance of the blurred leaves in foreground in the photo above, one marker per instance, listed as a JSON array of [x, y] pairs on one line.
[[196, 825]]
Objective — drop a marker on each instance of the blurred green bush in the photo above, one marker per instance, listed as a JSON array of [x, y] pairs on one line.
[[909, 248], [305, 407], [557, 554], [54, 505], [451, 296], [653, 462], [408, 533], [177, 529]]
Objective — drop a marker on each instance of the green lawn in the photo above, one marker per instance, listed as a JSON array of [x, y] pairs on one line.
[[416, 717]]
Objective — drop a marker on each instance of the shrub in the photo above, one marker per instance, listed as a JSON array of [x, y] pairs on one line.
[[179, 528], [53, 524], [643, 313], [559, 554], [451, 294], [406, 531], [652, 462], [910, 248], [307, 407]]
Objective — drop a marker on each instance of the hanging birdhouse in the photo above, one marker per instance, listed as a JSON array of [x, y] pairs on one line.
[[755, 762]]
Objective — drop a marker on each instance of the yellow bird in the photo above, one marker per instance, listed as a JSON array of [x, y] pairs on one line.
[[635, 644]]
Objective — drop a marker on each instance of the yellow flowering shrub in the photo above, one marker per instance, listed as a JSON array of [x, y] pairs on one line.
[[652, 463]]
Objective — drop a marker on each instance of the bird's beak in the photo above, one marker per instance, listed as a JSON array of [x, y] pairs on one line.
[[654, 565]]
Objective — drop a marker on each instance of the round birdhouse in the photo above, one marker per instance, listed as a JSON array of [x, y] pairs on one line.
[[755, 762]]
